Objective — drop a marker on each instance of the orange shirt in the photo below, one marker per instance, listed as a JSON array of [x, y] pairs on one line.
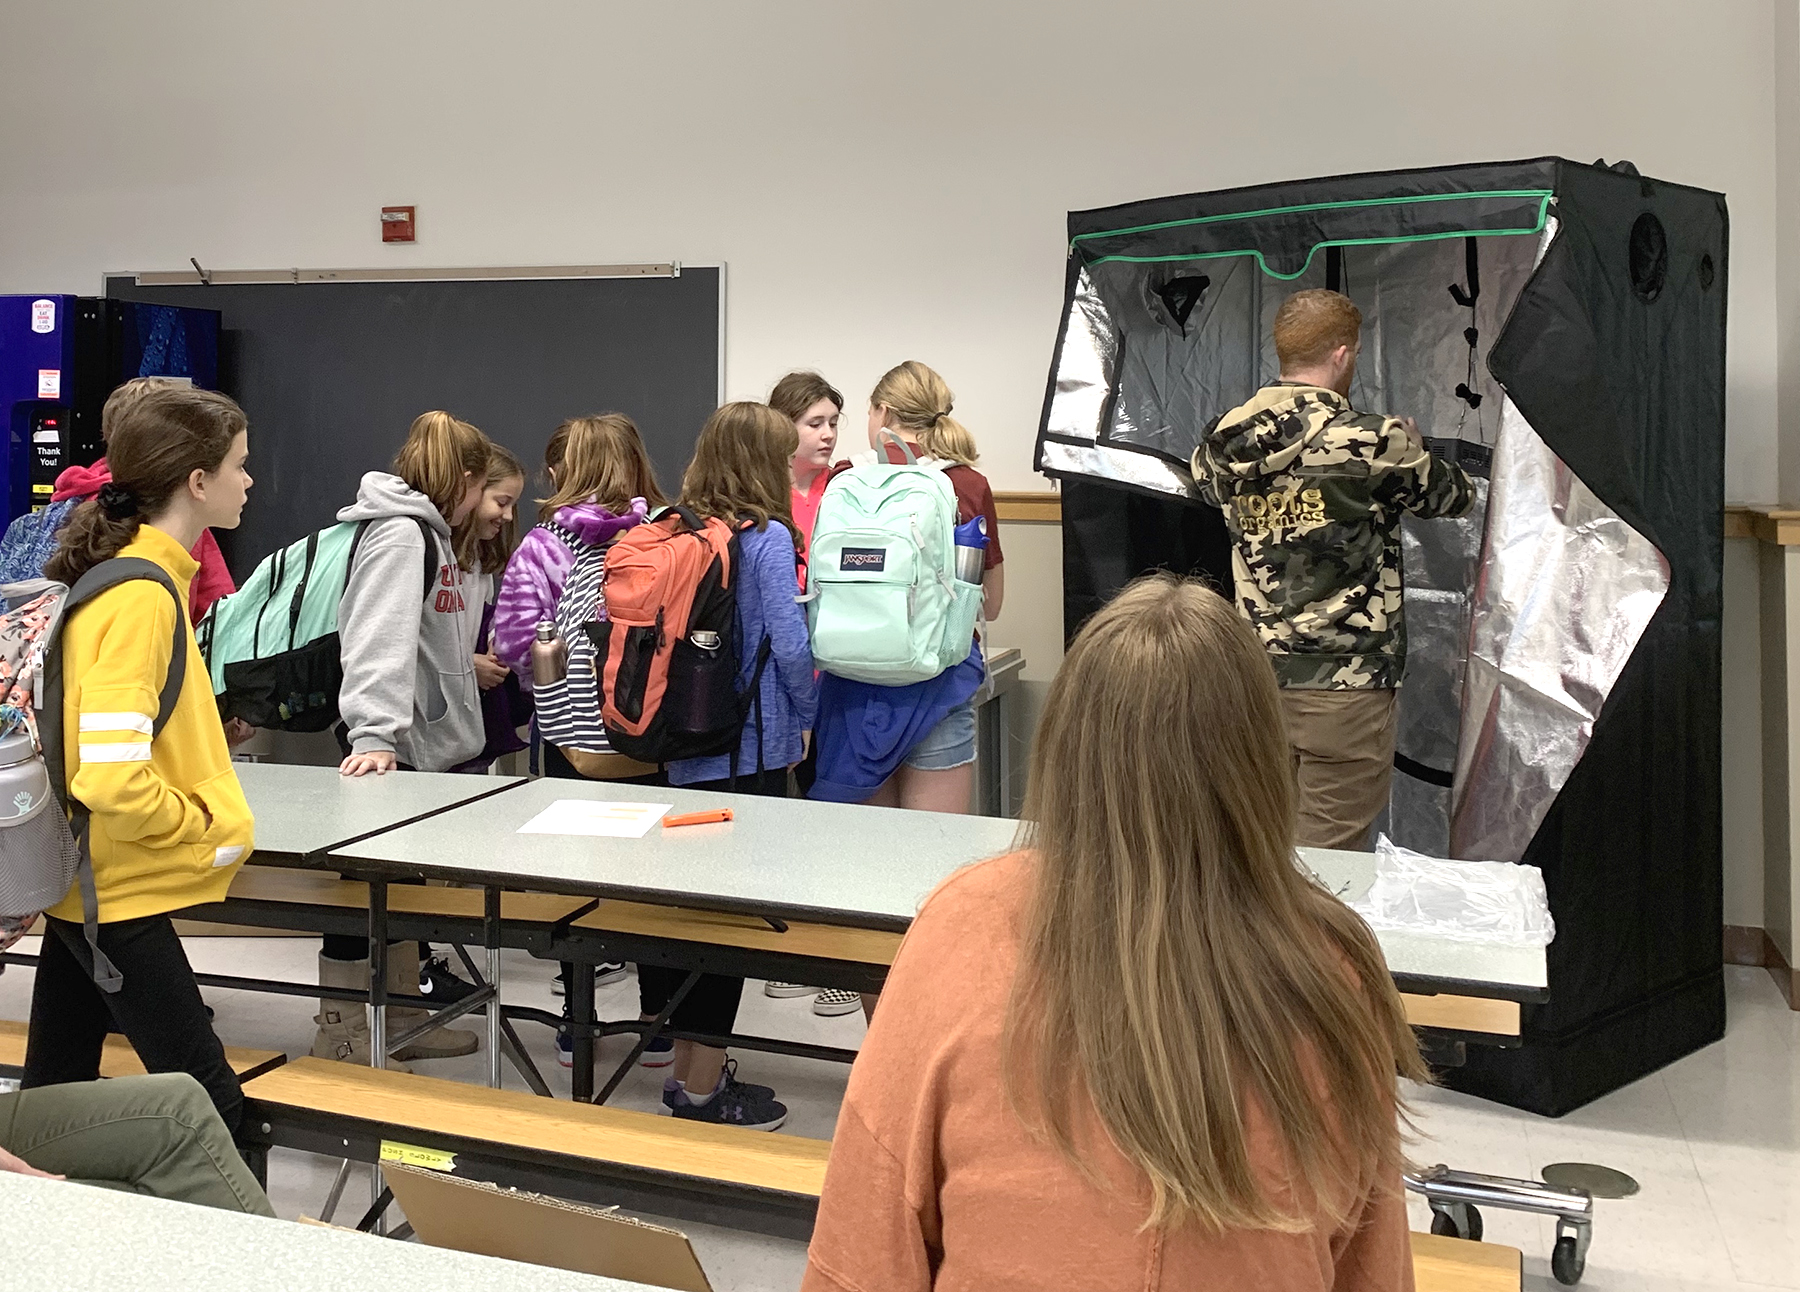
[[934, 1182]]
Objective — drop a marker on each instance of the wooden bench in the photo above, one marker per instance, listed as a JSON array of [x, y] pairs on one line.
[[584, 1151], [1456, 1265], [118, 1059], [608, 1155]]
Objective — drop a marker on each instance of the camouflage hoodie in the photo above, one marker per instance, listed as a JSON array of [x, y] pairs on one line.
[[1312, 492]]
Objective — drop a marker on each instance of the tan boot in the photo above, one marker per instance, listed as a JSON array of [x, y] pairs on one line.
[[344, 1024], [403, 979]]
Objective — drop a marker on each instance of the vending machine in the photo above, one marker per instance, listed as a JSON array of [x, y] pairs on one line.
[[61, 356]]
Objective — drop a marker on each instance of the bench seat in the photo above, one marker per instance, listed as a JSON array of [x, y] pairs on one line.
[[118, 1059]]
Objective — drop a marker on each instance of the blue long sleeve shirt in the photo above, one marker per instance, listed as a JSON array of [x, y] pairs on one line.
[[790, 698]]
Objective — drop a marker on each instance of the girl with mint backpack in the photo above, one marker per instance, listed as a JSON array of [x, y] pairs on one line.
[[913, 745]]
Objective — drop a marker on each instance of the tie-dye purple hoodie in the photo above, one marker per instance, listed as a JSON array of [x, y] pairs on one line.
[[535, 576]]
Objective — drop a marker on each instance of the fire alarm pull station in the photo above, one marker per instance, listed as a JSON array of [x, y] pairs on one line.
[[397, 223]]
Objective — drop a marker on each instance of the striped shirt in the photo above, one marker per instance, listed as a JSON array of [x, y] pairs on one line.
[[568, 712]]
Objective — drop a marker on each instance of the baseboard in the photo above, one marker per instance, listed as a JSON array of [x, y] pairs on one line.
[[1745, 944], [1748, 945]]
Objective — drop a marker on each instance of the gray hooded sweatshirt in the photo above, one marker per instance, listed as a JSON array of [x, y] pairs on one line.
[[409, 672]]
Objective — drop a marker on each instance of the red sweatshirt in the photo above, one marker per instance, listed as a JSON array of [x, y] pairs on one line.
[[212, 582]]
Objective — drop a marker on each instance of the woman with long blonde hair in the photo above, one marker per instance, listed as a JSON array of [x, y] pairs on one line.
[[1145, 1051]]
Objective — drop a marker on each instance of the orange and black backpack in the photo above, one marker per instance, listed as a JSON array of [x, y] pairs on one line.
[[665, 655]]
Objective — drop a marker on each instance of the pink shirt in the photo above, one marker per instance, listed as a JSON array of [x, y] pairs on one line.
[[806, 511]]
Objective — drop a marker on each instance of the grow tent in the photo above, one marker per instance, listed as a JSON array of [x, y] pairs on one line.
[[1558, 330]]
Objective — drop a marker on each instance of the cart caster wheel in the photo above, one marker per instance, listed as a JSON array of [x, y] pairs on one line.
[[1566, 1261], [1457, 1220]]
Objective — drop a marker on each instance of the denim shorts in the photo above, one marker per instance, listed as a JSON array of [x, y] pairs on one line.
[[949, 744]]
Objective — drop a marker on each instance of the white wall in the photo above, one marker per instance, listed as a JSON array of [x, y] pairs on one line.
[[884, 181]]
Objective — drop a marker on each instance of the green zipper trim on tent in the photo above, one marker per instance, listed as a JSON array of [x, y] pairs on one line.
[[1544, 196]]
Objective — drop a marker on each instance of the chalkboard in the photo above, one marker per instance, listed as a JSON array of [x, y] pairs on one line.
[[332, 374]]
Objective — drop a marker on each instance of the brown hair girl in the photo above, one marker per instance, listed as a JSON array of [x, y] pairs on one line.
[[740, 467], [602, 457], [158, 443]]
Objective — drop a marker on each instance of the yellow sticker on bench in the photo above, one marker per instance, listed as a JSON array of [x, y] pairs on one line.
[[431, 1159]]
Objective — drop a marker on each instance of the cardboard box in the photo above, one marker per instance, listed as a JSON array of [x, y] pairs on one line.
[[475, 1216]]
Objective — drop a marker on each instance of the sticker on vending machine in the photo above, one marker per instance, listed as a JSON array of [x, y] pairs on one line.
[[43, 316], [49, 383]]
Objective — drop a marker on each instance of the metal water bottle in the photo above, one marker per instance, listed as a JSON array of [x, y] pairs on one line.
[[549, 655]]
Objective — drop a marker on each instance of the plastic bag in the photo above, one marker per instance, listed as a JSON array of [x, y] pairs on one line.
[[1467, 901]]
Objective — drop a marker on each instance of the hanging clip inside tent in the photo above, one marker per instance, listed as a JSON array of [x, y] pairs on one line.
[[1472, 269]]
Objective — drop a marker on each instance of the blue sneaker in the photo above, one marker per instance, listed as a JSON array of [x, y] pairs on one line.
[[732, 1104], [660, 1053]]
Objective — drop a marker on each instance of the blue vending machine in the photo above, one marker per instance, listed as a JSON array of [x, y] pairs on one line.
[[61, 356]]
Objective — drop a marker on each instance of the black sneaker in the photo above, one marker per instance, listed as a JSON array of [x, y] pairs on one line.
[[732, 1104], [672, 1090], [438, 982], [604, 974]]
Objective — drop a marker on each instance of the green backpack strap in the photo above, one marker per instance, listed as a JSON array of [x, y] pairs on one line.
[[106, 575]]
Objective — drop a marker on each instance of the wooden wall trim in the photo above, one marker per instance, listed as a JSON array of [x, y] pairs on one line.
[[1043, 508], [1775, 525]]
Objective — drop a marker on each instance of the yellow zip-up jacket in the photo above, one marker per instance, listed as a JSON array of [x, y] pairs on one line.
[[170, 823]]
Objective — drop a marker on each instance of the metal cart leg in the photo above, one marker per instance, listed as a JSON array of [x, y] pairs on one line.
[[1454, 1195]]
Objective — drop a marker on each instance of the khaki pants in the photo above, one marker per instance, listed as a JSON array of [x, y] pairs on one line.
[[1343, 750]]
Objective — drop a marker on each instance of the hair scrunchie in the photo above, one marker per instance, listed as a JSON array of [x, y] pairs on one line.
[[117, 502], [941, 416]]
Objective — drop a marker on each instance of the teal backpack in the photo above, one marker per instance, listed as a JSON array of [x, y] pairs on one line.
[[883, 601], [272, 646]]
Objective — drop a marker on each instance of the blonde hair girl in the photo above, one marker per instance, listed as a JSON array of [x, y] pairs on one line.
[[913, 402], [1197, 1044]]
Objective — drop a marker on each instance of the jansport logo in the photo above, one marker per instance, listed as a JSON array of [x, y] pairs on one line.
[[863, 560]]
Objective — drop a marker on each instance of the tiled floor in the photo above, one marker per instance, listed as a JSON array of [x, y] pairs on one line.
[[1714, 1140]]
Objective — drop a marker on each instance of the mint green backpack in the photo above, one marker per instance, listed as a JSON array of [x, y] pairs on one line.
[[883, 602], [272, 646]]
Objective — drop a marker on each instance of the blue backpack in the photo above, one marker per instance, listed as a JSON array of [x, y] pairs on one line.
[[30, 541]]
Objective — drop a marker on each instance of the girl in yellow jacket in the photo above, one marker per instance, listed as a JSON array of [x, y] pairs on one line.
[[170, 826]]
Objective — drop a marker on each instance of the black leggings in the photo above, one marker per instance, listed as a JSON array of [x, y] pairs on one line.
[[158, 1009], [712, 1005]]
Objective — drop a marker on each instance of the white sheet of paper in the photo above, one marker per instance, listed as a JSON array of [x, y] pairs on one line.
[[584, 816]]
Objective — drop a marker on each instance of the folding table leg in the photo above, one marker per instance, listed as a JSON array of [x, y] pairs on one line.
[[580, 995], [378, 957], [646, 1036], [490, 933]]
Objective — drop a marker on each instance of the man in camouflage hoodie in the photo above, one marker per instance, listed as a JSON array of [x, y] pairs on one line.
[[1313, 492]]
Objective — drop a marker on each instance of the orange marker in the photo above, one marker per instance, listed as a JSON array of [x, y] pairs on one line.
[[698, 818]]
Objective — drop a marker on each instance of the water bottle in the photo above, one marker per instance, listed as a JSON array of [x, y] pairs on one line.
[[549, 655], [971, 550]]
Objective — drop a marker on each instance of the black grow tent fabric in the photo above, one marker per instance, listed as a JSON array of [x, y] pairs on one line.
[[1614, 353], [1623, 375]]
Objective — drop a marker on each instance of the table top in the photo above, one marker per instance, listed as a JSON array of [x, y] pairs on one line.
[[78, 1238], [1520, 971], [789, 858], [826, 862], [301, 810]]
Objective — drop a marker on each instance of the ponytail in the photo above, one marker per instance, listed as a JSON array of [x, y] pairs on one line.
[[441, 453], [159, 441], [921, 404]]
